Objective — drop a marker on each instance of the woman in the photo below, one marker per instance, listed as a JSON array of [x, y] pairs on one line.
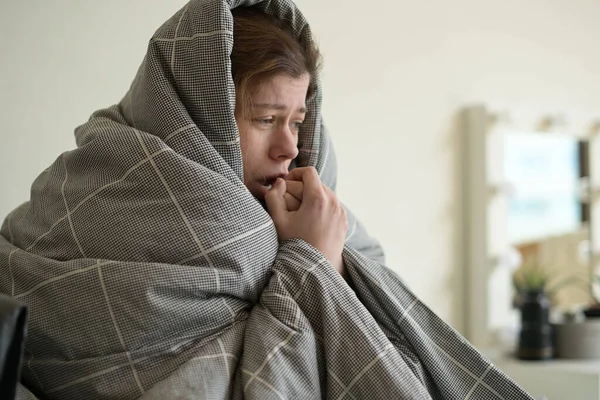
[[273, 75], [151, 270]]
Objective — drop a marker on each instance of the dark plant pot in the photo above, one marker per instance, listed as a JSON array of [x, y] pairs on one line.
[[592, 311], [535, 338]]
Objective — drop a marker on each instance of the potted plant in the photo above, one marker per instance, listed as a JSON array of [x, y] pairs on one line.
[[535, 289]]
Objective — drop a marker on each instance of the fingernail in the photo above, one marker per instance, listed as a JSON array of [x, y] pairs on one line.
[[278, 181]]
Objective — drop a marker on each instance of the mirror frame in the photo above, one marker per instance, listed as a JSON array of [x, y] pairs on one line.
[[485, 211]]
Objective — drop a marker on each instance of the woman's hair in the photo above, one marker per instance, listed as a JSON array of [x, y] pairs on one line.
[[264, 47]]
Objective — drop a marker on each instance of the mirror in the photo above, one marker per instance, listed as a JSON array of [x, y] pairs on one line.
[[548, 211], [532, 197]]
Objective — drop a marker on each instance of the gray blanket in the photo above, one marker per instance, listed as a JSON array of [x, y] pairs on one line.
[[150, 270]]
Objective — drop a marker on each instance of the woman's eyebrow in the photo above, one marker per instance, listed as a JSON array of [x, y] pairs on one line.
[[279, 107]]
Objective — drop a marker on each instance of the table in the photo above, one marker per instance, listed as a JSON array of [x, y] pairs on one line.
[[553, 379]]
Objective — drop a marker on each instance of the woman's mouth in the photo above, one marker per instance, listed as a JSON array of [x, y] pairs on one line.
[[268, 183], [265, 184]]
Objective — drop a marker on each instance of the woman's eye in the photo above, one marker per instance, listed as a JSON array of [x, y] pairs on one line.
[[265, 121], [297, 125]]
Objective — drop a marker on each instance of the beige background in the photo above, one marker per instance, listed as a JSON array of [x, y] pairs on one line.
[[396, 75]]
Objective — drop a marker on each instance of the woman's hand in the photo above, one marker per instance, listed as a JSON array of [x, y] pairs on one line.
[[320, 219]]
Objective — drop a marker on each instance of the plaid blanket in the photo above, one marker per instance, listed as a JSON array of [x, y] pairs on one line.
[[150, 271]]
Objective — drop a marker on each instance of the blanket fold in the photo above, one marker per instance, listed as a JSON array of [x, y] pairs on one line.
[[150, 271]]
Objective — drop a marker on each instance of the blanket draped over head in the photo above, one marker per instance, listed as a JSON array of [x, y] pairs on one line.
[[151, 271]]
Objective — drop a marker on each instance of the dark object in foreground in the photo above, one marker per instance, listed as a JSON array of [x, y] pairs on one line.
[[13, 316]]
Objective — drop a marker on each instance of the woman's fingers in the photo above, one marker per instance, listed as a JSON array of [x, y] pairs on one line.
[[294, 194], [275, 200], [295, 189], [295, 174], [308, 176], [291, 202]]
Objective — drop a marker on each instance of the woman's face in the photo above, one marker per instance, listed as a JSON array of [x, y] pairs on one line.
[[269, 131]]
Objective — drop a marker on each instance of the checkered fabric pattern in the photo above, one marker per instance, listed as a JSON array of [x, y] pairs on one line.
[[150, 271]]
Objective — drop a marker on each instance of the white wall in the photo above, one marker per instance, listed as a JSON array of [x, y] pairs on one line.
[[396, 75]]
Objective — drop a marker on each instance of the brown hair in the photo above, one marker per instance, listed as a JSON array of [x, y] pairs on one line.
[[264, 47]]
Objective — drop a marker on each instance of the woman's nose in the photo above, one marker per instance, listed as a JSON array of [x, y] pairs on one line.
[[285, 144]]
